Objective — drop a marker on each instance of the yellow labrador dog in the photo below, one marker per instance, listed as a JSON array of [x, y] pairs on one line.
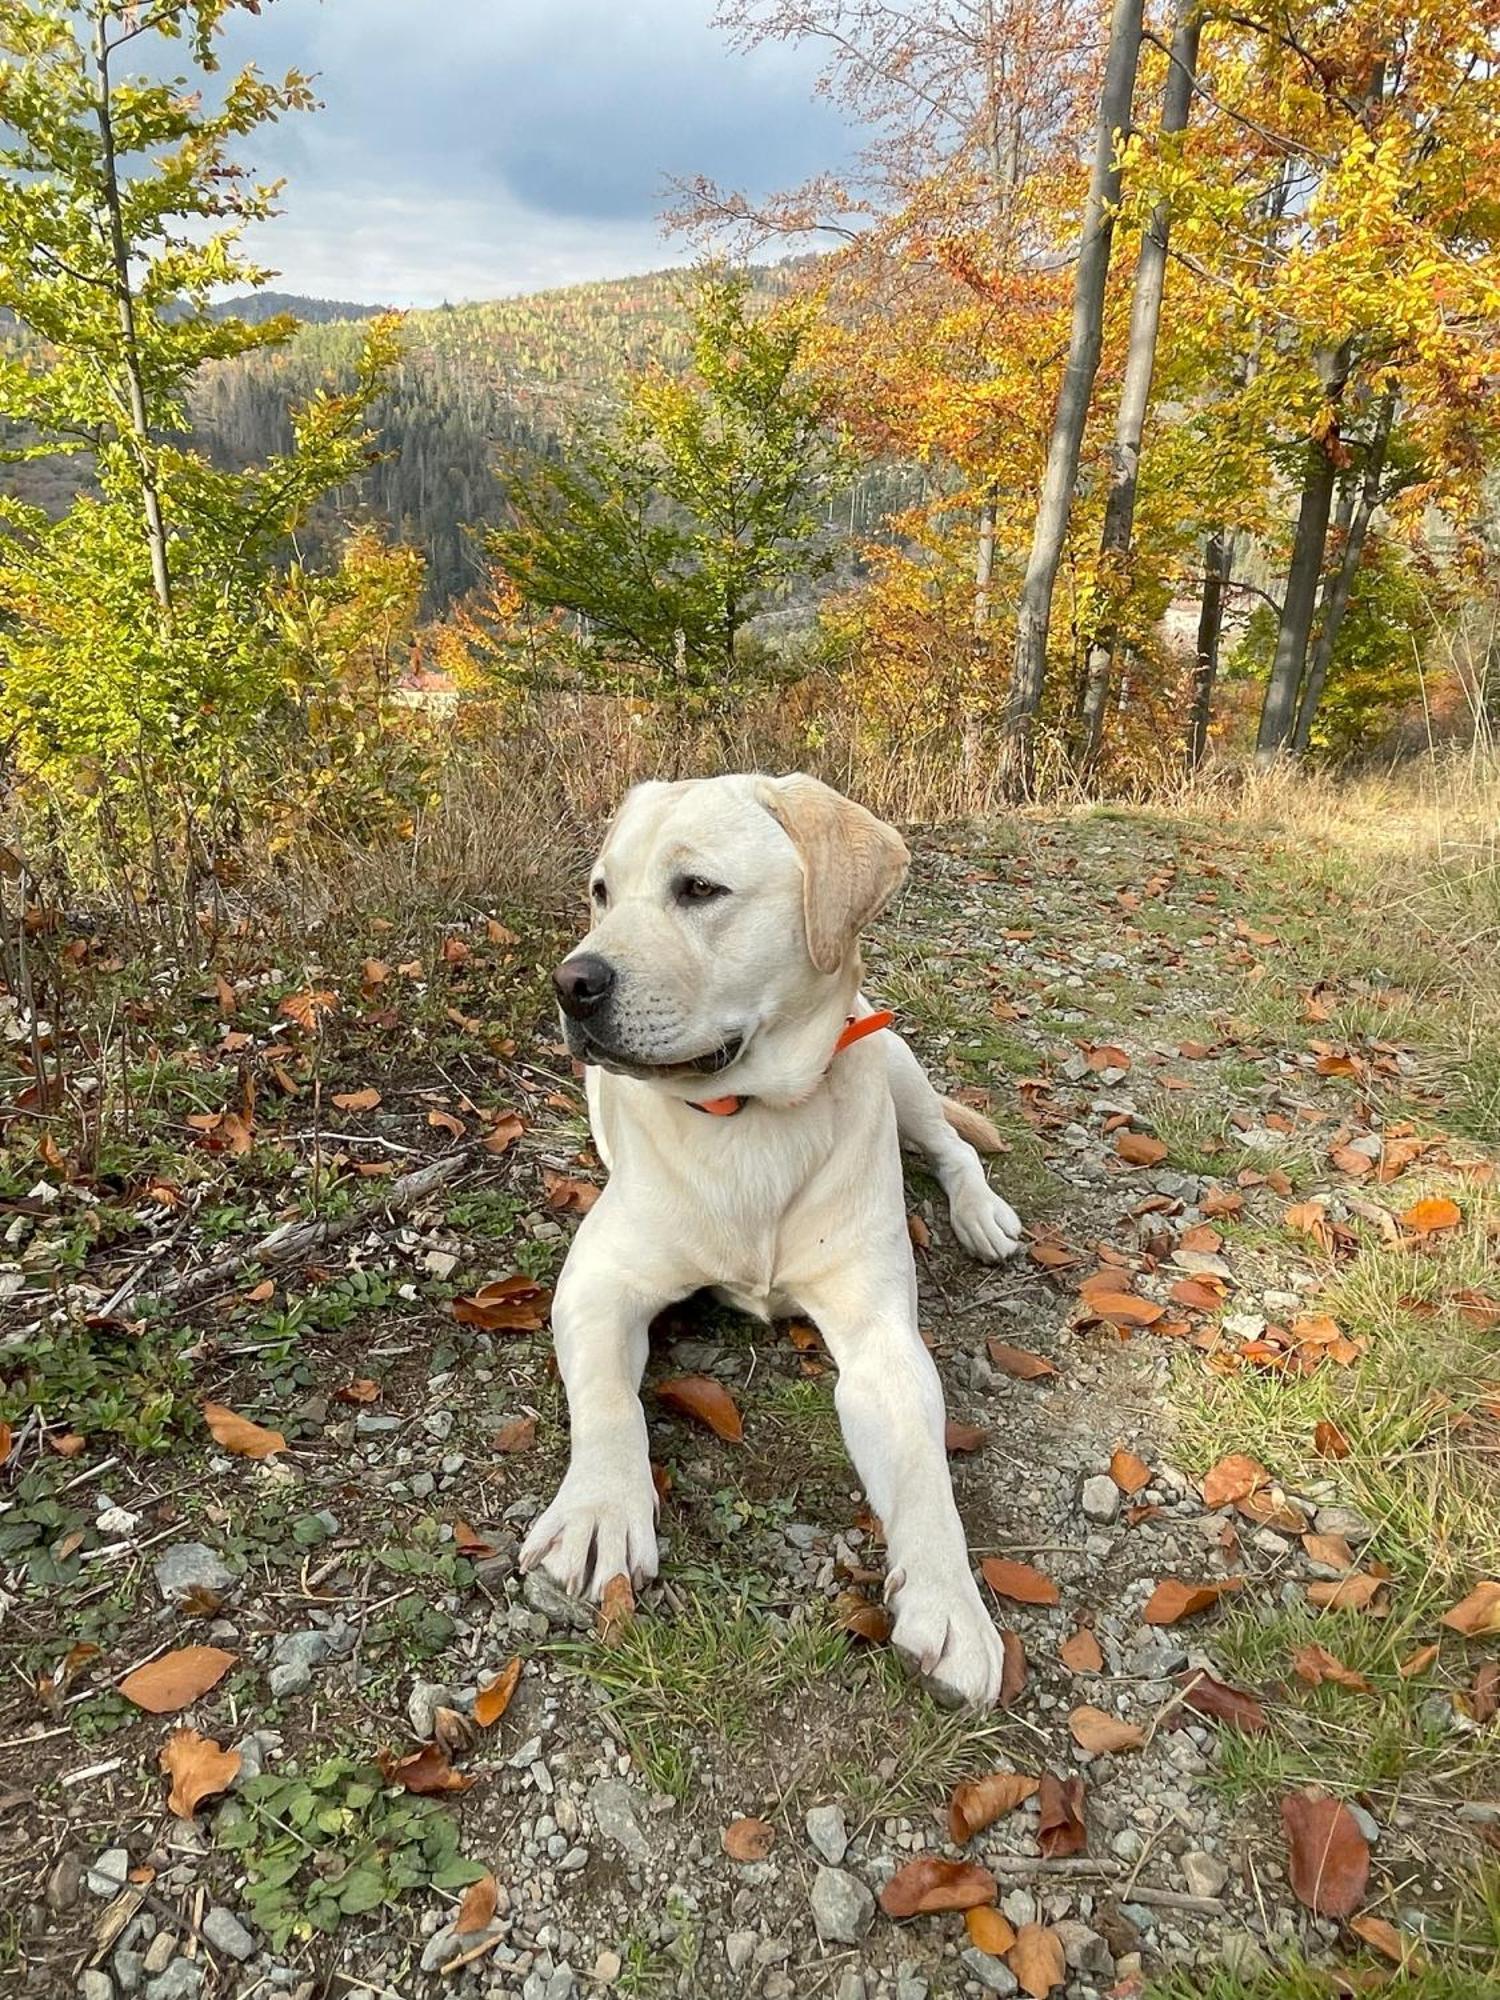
[[750, 1108]]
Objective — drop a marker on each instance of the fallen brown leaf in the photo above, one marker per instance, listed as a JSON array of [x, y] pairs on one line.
[[1080, 1652], [477, 1906], [1382, 1936], [1128, 1472], [616, 1610], [176, 1679], [963, 1437], [517, 1434], [1349, 1593], [569, 1196], [1012, 1667], [1328, 1856], [1017, 1362], [989, 1931], [426, 1772], [510, 1305], [1139, 1149], [493, 1699], [199, 1769], [1096, 1730], [357, 1100], [1432, 1217], [1215, 1698], [707, 1402], [1018, 1581], [1315, 1665], [1477, 1615], [238, 1435], [860, 1616], [1173, 1599], [1060, 1827], [1417, 1662], [981, 1801], [1329, 1441], [1233, 1478], [1037, 1960], [932, 1883]]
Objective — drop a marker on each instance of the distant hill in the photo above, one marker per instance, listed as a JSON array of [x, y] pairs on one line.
[[256, 307]]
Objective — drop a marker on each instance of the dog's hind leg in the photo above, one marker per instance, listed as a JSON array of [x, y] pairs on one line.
[[947, 1133]]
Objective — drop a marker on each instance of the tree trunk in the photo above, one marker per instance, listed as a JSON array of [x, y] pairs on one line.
[[1135, 386], [130, 356], [1337, 590], [1035, 611], [1279, 709], [1218, 568]]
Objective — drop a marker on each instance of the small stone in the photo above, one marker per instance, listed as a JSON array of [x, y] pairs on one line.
[[1127, 1843], [96, 1985], [107, 1875], [422, 1705], [65, 1882], [1084, 1949], [828, 1831], [159, 1953], [116, 1521], [1101, 1498], [129, 1969], [1205, 1874], [288, 1679], [851, 1987], [440, 1947], [191, 1566], [1367, 1824], [739, 1949], [843, 1908], [1345, 1521], [608, 1967], [226, 1933], [554, 1603], [563, 1984], [368, 1424], [1241, 1955], [180, 1981], [993, 1974], [910, 1985], [1019, 1906], [618, 1813], [301, 1649]]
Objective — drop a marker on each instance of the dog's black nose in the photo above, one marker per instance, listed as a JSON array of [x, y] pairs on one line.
[[584, 982]]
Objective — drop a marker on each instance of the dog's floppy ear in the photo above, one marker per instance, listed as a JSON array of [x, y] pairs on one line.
[[852, 863]]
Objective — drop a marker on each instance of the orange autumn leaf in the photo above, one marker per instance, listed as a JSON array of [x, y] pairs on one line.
[[859, 1616], [1383, 1936], [1349, 1593], [1060, 1830], [1019, 1363], [1328, 1856], [1103, 1734], [989, 1931], [1139, 1149], [426, 1772], [477, 1906], [357, 1100], [979, 1802], [1432, 1217], [1013, 1669], [748, 1839], [1173, 1599], [1417, 1662], [515, 1304], [567, 1195], [707, 1402], [493, 1699], [1128, 1472], [1018, 1581], [517, 1434], [177, 1679], [1477, 1615], [1233, 1478], [308, 1007], [199, 1769], [963, 1437], [932, 1883], [503, 1133], [1037, 1960], [616, 1610], [1080, 1652], [1315, 1665], [1329, 1441], [239, 1435], [1122, 1308]]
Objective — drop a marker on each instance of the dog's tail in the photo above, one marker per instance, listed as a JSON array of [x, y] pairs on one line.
[[972, 1125]]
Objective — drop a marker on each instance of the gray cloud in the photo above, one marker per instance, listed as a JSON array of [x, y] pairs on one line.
[[474, 147]]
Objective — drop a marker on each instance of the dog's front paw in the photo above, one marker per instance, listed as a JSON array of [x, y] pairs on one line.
[[943, 1632], [598, 1527], [987, 1226]]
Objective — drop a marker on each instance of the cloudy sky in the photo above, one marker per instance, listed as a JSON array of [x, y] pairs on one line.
[[470, 148]]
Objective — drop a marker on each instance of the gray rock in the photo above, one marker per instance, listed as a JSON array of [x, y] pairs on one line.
[[301, 1649], [226, 1933], [180, 1981], [1127, 1843], [439, 1948], [107, 1875], [95, 1985], [1368, 1826], [851, 1987], [1100, 1498], [563, 1984], [159, 1952], [910, 1985], [1345, 1521], [128, 1969], [255, 1748], [1242, 1955], [1084, 1949], [1019, 1906], [618, 1813], [554, 1603], [367, 1424], [422, 1705], [739, 1949], [191, 1566], [843, 1908], [291, 1677], [993, 1974], [829, 1833], [1205, 1874]]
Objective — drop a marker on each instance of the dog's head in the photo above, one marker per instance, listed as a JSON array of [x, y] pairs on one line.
[[727, 914]]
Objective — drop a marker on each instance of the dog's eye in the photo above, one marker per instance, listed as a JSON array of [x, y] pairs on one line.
[[599, 893], [696, 889]]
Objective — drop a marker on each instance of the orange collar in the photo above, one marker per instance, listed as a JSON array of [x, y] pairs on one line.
[[854, 1030]]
